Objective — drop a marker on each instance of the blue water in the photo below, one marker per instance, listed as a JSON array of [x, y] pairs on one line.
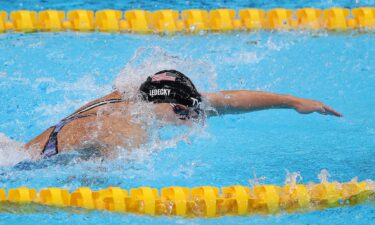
[[178, 5], [46, 76]]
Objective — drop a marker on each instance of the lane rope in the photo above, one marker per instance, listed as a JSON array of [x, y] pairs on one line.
[[188, 21], [204, 201]]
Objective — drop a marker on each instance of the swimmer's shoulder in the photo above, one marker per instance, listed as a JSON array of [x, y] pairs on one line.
[[112, 95]]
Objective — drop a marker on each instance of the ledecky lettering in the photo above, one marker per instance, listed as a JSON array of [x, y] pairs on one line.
[[163, 91]]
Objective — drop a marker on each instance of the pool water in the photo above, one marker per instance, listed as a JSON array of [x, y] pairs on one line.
[[177, 5], [46, 76]]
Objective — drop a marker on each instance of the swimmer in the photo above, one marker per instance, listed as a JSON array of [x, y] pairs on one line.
[[104, 124]]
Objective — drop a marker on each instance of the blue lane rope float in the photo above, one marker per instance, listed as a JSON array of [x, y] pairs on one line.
[[188, 21], [204, 201]]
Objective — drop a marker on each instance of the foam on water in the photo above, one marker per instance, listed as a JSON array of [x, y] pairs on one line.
[[11, 152]]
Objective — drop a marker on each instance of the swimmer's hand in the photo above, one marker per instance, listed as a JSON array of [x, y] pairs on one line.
[[306, 106]]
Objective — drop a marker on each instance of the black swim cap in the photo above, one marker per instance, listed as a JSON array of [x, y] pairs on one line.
[[170, 86]]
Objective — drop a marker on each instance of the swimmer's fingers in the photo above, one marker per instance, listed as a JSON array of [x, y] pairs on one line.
[[326, 110], [308, 106]]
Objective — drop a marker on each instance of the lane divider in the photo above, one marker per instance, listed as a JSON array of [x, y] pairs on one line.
[[193, 20], [204, 201]]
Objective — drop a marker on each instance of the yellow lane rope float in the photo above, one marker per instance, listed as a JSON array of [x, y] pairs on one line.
[[205, 201], [193, 20]]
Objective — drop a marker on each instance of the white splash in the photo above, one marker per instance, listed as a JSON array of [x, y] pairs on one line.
[[148, 61], [292, 178], [256, 181], [323, 176], [85, 86], [52, 113], [11, 151]]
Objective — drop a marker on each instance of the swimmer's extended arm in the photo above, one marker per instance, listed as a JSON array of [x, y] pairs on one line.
[[231, 102]]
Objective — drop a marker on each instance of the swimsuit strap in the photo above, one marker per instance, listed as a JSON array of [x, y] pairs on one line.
[[96, 105], [50, 147]]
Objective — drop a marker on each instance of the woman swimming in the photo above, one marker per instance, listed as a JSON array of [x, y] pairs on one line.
[[105, 123]]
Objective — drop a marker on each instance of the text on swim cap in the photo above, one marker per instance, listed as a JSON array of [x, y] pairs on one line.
[[195, 101], [162, 91]]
